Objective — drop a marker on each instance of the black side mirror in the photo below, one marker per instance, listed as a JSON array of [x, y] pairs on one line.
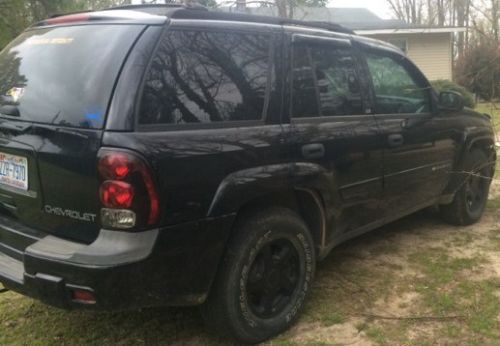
[[451, 101]]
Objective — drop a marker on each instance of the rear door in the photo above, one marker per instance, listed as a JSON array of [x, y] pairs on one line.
[[332, 127], [55, 87], [419, 145]]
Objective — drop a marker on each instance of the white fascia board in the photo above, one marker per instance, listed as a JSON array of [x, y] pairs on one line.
[[409, 31]]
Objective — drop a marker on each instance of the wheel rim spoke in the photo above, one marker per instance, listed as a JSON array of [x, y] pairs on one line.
[[268, 302], [273, 278]]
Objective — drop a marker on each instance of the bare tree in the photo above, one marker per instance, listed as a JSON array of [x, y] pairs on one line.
[[411, 11]]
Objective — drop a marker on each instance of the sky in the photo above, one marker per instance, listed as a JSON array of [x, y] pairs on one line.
[[379, 7]]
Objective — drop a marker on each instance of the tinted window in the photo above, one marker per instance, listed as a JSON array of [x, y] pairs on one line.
[[325, 82], [204, 77], [395, 88], [64, 75]]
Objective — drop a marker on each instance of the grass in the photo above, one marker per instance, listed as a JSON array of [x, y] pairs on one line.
[[359, 292], [441, 272], [491, 109], [448, 289]]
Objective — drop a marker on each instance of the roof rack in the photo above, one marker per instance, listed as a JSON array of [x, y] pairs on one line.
[[182, 11], [158, 6], [188, 13]]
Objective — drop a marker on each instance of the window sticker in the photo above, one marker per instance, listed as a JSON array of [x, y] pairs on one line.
[[47, 41], [15, 93]]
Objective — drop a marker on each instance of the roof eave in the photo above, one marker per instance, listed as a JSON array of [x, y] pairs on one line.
[[410, 31]]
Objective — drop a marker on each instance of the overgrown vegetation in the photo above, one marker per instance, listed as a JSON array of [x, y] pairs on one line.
[[479, 69], [446, 85]]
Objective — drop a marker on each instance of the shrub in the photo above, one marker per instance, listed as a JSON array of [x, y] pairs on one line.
[[479, 70], [446, 85]]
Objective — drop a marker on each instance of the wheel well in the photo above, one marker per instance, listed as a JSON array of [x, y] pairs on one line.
[[306, 203], [488, 147]]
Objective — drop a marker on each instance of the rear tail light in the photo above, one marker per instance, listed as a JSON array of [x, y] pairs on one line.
[[128, 192]]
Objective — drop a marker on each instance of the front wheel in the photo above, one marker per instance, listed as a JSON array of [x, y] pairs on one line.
[[472, 195], [264, 278]]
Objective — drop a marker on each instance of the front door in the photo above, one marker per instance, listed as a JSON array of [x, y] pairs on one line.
[[332, 128], [419, 146]]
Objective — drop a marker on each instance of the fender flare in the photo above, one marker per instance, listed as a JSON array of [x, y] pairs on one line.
[[242, 187], [471, 137]]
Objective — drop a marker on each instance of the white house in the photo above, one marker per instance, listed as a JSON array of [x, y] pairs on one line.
[[429, 47]]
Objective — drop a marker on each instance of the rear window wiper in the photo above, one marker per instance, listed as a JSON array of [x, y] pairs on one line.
[[11, 111]]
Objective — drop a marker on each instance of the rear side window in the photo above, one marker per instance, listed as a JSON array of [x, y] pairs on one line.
[[396, 90], [63, 75], [207, 77], [325, 82]]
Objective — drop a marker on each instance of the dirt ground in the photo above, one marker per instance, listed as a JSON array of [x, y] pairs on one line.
[[417, 281]]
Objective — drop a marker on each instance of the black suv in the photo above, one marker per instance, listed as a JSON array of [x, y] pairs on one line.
[[160, 155]]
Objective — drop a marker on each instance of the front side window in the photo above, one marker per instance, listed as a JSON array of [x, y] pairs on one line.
[[397, 92], [325, 82], [207, 77]]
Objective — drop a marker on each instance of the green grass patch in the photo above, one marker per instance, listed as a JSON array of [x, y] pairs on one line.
[[331, 318], [493, 110], [439, 267], [377, 333], [24, 321], [494, 203], [441, 271], [481, 304], [462, 238], [448, 290], [494, 240]]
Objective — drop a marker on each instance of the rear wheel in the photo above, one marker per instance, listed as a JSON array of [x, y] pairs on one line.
[[264, 278], [471, 197]]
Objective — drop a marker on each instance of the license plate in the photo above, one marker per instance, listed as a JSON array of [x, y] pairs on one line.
[[14, 171]]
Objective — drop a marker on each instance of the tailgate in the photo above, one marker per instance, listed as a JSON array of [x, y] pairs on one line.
[[48, 180], [56, 84]]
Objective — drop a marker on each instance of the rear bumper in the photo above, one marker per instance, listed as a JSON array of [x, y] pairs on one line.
[[168, 266]]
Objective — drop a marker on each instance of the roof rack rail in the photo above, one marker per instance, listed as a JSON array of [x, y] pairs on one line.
[[318, 25], [182, 11], [243, 17], [158, 6]]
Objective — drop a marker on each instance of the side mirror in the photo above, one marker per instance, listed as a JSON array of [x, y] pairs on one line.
[[451, 101]]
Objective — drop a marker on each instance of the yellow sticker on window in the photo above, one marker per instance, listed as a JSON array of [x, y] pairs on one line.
[[47, 41]]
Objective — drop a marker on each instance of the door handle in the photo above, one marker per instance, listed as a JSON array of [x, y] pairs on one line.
[[395, 140], [313, 151]]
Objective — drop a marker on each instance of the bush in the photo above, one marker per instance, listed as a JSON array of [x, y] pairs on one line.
[[479, 70], [446, 85]]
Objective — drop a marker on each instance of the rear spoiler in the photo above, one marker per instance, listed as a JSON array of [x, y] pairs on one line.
[[120, 16]]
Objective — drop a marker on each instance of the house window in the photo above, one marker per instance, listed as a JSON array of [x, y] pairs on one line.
[[401, 43]]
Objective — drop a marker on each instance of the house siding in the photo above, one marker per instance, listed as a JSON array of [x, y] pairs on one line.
[[431, 52]]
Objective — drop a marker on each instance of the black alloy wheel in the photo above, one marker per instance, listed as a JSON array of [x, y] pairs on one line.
[[273, 278]]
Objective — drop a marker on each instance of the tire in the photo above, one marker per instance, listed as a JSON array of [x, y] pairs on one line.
[[471, 197], [264, 278]]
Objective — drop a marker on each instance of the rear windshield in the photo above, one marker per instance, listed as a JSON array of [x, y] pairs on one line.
[[64, 75]]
